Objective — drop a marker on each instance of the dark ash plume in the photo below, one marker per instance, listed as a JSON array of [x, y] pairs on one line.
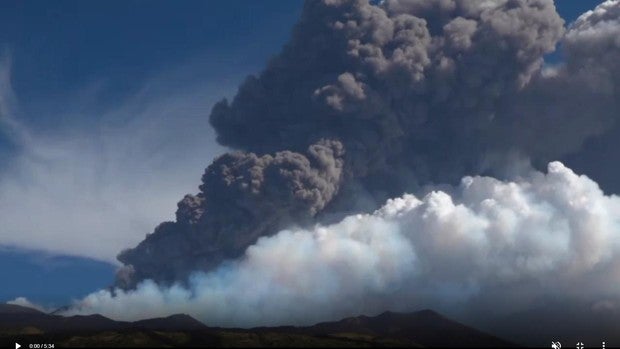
[[564, 106], [243, 196], [415, 91], [401, 84]]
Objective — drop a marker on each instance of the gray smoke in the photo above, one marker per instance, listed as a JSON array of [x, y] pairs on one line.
[[589, 83], [402, 84], [575, 100], [243, 196], [367, 101]]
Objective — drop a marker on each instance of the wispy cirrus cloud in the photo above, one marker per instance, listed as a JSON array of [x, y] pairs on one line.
[[98, 184]]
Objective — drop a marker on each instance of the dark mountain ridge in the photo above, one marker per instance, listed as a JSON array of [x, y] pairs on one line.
[[424, 328]]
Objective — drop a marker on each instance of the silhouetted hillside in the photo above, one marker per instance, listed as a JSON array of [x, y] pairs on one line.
[[425, 328], [16, 309], [178, 322], [419, 329]]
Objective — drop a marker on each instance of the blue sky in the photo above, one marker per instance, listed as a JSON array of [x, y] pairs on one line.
[[570, 10], [90, 160]]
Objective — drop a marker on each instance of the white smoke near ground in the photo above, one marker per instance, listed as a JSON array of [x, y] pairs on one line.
[[507, 243], [24, 302]]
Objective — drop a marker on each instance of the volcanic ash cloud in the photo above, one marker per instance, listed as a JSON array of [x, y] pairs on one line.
[[367, 102]]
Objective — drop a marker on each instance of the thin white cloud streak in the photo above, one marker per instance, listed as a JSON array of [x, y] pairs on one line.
[[489, 246], [11, 127], [94, 188]]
